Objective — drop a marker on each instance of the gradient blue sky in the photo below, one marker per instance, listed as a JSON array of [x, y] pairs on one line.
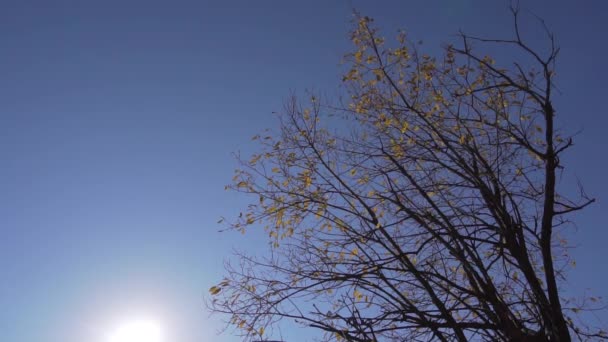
[[118, 120]]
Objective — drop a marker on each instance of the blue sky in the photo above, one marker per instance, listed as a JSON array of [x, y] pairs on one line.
[[118, 120]]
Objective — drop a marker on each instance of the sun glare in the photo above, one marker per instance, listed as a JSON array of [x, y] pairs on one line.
[[137, 331]]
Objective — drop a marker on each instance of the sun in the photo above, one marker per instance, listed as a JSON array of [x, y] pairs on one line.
[[137, 331]]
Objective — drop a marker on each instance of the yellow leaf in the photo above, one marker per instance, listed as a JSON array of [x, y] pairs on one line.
[[363, 180], [353, 172], [261, 331], [379, 74], [358, 56], [255, 159], [306, 114], [214, 290], [276, 170], [307, 181]]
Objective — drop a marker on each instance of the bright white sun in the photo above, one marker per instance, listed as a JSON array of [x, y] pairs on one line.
[[137, 331]]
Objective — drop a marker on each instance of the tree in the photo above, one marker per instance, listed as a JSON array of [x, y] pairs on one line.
[[430, 211]]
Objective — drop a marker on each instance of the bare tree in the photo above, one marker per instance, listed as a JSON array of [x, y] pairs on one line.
[[430, 211]]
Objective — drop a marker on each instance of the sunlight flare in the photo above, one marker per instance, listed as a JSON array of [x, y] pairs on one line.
[[137, 331]]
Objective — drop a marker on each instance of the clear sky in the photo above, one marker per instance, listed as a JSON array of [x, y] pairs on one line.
[[118, 120]]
